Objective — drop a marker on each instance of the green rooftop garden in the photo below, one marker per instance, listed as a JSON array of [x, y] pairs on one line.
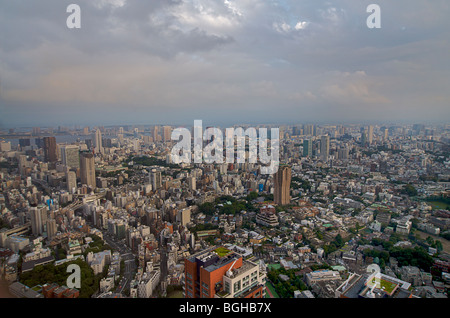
[[222, 251]]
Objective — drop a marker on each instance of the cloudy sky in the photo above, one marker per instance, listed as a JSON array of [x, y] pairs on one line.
[[223, 61]]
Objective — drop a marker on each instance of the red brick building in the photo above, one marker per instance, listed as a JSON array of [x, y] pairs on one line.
[[221, 273]]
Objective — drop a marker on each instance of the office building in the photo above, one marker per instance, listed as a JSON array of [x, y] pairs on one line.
[[49, 145], [5, 145], [155, 179], [282, 184], [307, 148], [155, 134], [70, 156], [370, 134], [87, 169], [98, 145], [167, 132], [71, 181], [51, 228], [324, 147], [38, 216]]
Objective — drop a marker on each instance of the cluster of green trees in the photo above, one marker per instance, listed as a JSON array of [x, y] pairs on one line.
[[416, 256], [97, 245], [228, 205], [50, 273], [286, 289], [299, 183], [410, 190], [149, 161], [334, 245]]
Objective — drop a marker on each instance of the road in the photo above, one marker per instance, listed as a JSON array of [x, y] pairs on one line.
[[127, 257]]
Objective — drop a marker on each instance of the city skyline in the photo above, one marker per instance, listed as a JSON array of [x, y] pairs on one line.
[[171, 62]]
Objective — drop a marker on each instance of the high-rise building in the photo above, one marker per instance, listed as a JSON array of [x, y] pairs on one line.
[[343, 153], [282, 185], [87, 169], [38, 216], [167, 132], [307, 148], [49, 145], [71, 181], [23, 164], [155, 134], [5, 145], [184, 216], [370, 134], [51, 228], [155, 179], [24, 142], [98, 146], [70, 156], [218, 272], [324, 147]]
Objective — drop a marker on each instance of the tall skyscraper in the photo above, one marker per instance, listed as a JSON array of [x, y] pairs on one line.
[[70, 156], [370, 134], [155, 179], [71, 181], [192, 183], [307, 148], [167, 132], [23, 164], [38, 216], [98, 146], [87, 169], [282, 184], [324, 147], [49, 145], [51, 228], [155, 134]]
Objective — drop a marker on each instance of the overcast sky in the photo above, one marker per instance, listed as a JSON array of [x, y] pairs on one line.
[[223, 61]]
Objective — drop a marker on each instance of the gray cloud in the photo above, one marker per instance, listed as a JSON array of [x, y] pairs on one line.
[[246, 60]]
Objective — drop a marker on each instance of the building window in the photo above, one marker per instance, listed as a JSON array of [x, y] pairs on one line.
[[237, 286], [227, 287]]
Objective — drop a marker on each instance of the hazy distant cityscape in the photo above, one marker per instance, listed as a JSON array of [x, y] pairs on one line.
[[353, 212]]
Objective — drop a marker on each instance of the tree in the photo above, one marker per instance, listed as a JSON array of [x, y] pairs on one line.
[[208, 208], [410, 190]]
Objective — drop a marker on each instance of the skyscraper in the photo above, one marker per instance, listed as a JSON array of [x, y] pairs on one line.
[[370, 134], [307, 148], [87, 169], [324, 147], [98, 147], [38, 216], [167, 133], [50, 149], [155, 134], [155, 179], [71, 181], [51, 228], [70, 156], [282, 183]]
